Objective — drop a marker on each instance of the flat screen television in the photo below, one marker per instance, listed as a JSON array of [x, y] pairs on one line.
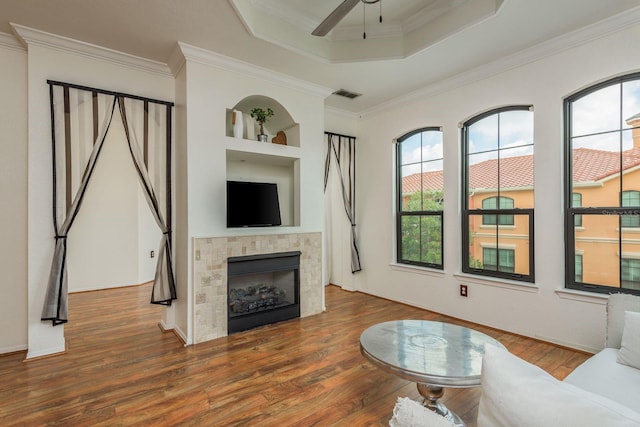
[[252, 204]]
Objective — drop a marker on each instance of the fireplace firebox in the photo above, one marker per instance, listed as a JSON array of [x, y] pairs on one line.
[[262, 289]]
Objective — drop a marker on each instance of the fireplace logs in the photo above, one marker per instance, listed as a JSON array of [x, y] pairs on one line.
[[252, 298]]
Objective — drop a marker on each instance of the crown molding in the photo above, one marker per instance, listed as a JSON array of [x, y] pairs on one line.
[[176, 60], [342, 113], [30, 36], [429, 13], [216, 60], [289, 15], [263, 19], [540, 51], [10, 41]]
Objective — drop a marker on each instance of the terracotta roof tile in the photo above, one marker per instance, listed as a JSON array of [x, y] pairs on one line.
[[588, 166]]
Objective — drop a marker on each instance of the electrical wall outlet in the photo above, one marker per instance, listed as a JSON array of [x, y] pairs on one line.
[[463, 291], [152, 254]]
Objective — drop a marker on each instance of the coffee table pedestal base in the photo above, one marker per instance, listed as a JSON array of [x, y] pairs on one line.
[[432, 395]]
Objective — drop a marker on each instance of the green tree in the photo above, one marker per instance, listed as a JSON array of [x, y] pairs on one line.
[[422, 227]]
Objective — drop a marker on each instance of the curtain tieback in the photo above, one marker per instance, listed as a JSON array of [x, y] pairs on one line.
[[57, 237], [167, 232]]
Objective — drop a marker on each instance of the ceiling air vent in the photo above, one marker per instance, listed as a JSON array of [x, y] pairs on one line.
[[347, 94]]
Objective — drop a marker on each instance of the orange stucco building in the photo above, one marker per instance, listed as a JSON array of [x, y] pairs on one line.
[[596, 183]]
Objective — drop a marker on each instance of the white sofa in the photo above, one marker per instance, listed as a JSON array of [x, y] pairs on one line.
[[603, 391]]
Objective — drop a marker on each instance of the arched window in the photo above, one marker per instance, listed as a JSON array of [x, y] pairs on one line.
[[602, 155], [497, 196], [420, 198]]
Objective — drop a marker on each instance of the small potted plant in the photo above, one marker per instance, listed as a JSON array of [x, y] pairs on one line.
[[261, 117]]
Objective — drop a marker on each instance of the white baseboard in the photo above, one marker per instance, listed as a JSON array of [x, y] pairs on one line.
[[176, 330], [182, 336], [4, 350], [46, 352]]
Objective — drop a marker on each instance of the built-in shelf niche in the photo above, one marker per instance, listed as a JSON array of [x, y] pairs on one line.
[[280, 121], [283, 171], [251, 160]]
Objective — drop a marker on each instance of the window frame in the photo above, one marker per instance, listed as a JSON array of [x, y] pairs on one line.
[[498, 252], [400, 214], [581, 258], [571, 212], [467, 213], [632, 269], [578, 218], [629, 221], [499, 200]]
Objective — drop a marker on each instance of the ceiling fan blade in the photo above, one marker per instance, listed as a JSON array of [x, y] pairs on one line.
[[335, 17]]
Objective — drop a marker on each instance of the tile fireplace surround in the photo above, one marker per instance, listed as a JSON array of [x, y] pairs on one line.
[[210, 275]]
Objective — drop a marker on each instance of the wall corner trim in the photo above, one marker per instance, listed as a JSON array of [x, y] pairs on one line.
[[176, 60], [10, 41], [31, 36]]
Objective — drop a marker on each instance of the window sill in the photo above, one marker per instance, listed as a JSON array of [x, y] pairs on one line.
[[582, 296], [417, 269], [629, 229], [498, 283], [500, 227]]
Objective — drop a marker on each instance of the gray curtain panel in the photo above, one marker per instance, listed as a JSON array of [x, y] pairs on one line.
[[164, 289], [342, 148], [81, 118]]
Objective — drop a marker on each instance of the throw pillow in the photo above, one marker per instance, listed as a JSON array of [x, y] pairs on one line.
[[409, 413], [517, 393], [630, 348]]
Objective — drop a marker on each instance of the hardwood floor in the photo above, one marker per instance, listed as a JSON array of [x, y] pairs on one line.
[[121, 369]]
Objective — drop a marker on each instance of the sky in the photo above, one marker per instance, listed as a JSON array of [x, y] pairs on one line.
[[593, 114], [596, 125]]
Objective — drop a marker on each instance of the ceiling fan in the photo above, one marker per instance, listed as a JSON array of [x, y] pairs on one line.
[[338, 13]]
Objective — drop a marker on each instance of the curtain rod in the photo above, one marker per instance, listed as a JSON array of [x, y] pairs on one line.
[[339, 135], [108, 92]]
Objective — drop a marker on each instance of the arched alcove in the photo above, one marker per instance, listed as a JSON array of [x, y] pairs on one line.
[[280, 121]]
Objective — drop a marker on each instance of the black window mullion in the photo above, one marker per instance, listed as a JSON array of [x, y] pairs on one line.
[[620, 210], [499, 212], [620, 184], [419, 215]]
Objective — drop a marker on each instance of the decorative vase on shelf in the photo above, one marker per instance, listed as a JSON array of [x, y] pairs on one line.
[[238, 124]]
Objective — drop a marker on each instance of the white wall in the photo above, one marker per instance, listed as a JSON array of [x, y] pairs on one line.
[[211, 85], [210, 91], [181, 243], [567, 318], [80, 64], [109, 243], [13, 193]]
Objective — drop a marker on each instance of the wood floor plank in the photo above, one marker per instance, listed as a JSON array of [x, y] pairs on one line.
[[121, 369]]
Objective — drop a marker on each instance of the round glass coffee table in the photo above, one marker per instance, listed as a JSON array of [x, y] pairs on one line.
[[433, 354]]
